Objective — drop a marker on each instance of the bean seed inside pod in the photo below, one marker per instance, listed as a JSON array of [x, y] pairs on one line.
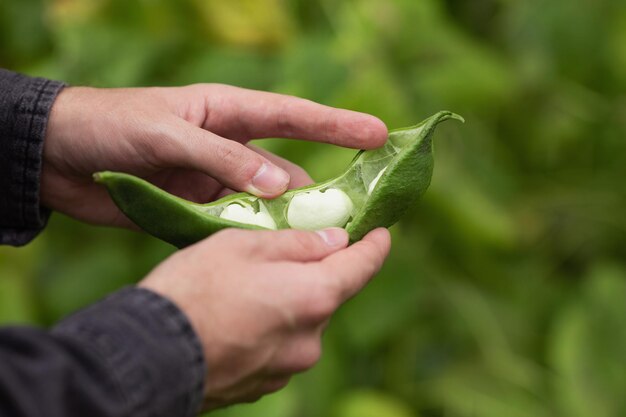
[[314, 210]]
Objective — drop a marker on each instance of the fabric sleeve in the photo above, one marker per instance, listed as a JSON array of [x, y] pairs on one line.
[[132, 354], [25, 105]]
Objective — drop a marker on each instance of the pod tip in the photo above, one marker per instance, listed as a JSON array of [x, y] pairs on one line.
[[446, 114], [100, 177], [457, 117]]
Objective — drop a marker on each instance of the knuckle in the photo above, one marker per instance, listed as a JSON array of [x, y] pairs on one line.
[[305, 242], [241, 162], [367, 256], [274, 385], [368, 268], [331, 125], [259, 245], [216, 86], [207, 87], [322, 310], [285, 124], [161, 150], [373, 258], [155, 143], [227, 152], [318, 304], [310, 355]]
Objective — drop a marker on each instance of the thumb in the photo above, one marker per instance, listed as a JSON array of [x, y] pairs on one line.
[[229, 162], [298, 245]]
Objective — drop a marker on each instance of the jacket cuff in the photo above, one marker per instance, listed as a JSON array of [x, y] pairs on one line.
[[148, 346], [25, 105]]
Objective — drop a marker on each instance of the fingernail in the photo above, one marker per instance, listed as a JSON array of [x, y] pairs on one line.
[[334, 236], [269, 179]]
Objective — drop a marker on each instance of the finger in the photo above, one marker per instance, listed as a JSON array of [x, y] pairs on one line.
[[301, 353], [255, 114], [299, 177], [189, 184], [305, 246], [287, 245], [274, 385], [83, 201], [224, 192], [352, 268], [231, 163]]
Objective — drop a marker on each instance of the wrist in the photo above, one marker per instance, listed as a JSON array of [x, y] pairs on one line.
[[67, 116], [65, 137]]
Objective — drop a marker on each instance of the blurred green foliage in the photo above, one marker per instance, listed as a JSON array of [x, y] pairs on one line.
[[505, 291]]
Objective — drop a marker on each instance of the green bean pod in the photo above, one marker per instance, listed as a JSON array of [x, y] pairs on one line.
[[381, 185]]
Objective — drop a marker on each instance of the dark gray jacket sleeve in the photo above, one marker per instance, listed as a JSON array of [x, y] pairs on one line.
[[24, 107], [132, 354]]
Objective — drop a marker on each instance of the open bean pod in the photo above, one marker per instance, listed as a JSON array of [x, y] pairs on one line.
[[376, 189]]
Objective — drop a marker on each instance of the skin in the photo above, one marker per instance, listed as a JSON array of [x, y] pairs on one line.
[[258, 300], [177, 139], [260, 307]]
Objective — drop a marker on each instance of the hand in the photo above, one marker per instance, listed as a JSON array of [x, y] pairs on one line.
[[187, 140], [261, 304]]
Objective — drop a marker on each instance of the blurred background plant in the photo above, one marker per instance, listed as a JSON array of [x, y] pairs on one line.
[[505, 294]]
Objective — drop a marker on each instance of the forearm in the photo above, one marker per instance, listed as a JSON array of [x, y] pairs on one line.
[[133, 354], [25, 105]]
